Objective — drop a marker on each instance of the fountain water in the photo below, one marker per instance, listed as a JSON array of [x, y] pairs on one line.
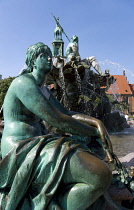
[[78, 80], [117, 67], [61, 77]]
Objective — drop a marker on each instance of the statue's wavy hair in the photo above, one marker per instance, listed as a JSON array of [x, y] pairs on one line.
[[32, 53]]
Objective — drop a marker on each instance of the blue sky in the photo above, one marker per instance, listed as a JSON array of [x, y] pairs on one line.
[[105, 29]]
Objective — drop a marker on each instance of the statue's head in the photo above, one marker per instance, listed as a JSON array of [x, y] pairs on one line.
[[74, 39], [33, 51]]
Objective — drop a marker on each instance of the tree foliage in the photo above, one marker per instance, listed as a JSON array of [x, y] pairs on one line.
[[4, 85]]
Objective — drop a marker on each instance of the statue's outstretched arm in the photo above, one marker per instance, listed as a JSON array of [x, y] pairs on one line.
[[94, 64], [106, 143]]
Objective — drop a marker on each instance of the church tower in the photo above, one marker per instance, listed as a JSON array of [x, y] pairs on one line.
[[58, 44]]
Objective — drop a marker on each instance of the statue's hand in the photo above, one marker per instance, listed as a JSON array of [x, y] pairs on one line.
[[101, 130], [110, 156], [106, 143]]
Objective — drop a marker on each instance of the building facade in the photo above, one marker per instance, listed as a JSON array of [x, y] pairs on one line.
[[122, 91], [131, 101]]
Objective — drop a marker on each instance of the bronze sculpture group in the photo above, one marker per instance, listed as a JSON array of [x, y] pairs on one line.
[[66, 169], [40, 165]]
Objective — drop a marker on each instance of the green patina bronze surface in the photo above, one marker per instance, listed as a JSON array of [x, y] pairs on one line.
[[48, 171]]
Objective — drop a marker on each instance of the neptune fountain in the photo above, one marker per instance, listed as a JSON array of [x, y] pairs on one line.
[[55, 156]]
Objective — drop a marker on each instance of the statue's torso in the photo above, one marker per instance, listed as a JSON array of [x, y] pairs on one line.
[[19, 122]]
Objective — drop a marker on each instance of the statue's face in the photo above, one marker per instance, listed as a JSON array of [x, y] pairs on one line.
[[43, 62]]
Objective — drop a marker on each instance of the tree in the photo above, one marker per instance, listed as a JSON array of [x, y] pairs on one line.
[[4, 85]]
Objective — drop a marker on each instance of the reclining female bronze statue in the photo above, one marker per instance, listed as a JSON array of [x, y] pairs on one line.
[[48, 171]]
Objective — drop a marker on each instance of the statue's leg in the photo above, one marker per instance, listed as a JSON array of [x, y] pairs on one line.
[[87, 178]]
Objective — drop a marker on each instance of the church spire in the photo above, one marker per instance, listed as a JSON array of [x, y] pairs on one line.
[[57, 32], [58, 44]]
